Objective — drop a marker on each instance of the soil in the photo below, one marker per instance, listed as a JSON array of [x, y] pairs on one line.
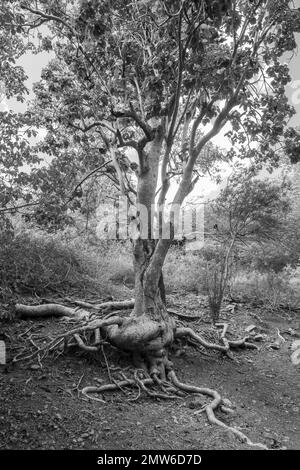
[[41, 407]]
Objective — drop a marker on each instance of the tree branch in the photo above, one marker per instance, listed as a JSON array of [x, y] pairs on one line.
[[132, 114], [48, 17], [85, 178], [170, 135], [12, 209], [87, 128]]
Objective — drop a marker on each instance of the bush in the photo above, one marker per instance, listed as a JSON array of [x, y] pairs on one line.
[[184, 272], [272, 289], [31, 262], [34, 262], [269, 257], [216, 284]]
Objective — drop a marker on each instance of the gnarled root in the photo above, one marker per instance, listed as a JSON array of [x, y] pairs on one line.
[[216, 402], [142, 335], [48, 310], [148, 339], [75, 332], [171, 388], [227, 344], [57, 310], [112, 387]]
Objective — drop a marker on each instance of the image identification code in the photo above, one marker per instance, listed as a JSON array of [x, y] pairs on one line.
[[150, 459]]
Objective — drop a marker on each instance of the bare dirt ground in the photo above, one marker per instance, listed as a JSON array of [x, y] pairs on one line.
[[41, 407]]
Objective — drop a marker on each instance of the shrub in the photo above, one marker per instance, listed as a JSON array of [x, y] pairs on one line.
[[34, 261], [215, 286], [269, 288], [184, 271]]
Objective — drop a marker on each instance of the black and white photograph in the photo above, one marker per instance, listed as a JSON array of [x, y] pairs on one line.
[[149, 231]]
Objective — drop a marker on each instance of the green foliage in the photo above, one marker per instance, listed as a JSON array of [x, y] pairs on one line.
[[292, 144], [271, 256]]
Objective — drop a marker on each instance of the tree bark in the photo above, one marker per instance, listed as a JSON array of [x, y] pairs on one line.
[[55, 310], [149, 330]]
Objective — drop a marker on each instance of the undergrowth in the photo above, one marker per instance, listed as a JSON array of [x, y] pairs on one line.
[[35, 262]]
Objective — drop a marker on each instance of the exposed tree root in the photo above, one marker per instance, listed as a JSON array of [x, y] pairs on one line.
[[210, 408], [115, 305], [63, 337], [173, 383], [83, 346], [148, 340], [55, 310], [227, 344], [135, 334], [112, 387], [164, 395], [58, 310]]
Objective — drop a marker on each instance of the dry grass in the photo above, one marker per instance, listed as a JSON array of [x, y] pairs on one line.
[[184, 272], [270, 288], [36, 262]]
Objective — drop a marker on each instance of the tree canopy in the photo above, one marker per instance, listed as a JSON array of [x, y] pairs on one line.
[[136, 91], [123, 72]]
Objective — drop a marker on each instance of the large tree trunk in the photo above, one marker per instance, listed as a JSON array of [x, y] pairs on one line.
[[149, 330]]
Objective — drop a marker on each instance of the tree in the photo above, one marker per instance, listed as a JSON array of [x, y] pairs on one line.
[[149, 76], [248, 210], [14, 147]]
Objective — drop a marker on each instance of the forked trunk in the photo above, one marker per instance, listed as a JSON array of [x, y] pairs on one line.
[[149, 330], [149, 286]]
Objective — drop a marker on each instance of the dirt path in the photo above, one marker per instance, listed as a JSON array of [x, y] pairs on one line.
[[41, 409]]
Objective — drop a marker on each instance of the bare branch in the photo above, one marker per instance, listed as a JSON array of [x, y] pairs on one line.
[[91, 173], [170, 135], [132, 114], [126, 143], [87, 128], [15, 208], [48, 17]]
